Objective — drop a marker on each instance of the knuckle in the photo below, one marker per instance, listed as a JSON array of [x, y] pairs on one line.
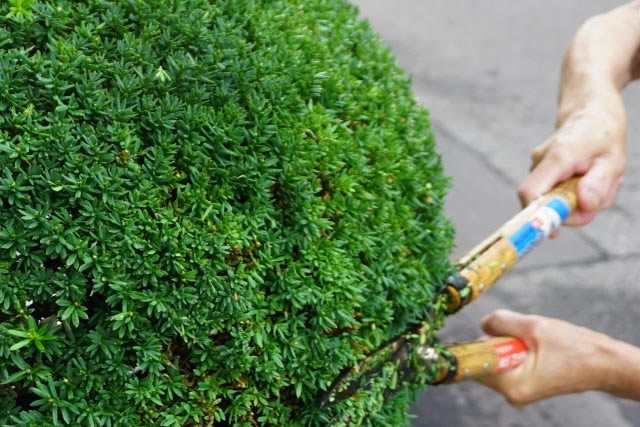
[[560, 154], [537, 153], [500, 314], [538, 327], [618, 165], [493, 318], [526, 194], [595, 21]]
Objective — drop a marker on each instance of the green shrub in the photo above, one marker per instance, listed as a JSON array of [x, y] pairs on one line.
[[207, 210]]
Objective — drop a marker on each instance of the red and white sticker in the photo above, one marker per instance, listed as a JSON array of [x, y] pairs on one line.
[[546, 220], [511, 353]]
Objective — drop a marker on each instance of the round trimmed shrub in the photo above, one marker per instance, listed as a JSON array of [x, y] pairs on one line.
[[208, 209]]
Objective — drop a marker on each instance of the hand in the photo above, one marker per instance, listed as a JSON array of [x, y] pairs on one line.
[[591, 128], [562, 359], [589, 142]]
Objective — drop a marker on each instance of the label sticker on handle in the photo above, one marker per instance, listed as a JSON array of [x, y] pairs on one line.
[[510, 353], [547, 219]]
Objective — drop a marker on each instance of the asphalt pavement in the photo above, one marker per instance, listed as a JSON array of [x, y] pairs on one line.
[[488, 72]]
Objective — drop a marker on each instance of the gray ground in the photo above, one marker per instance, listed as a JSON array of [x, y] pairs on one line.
[[488, 71]]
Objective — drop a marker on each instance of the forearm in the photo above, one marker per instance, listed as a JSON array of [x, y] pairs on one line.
[[602, 59], [620, 370]]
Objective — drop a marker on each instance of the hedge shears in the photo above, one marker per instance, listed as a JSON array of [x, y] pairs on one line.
[[477, 272]]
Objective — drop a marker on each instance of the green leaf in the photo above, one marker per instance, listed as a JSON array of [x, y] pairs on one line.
[[41, 390], [298, 389], [18, 333], [19, 361], [71, 259], [258, 338], [68, 312], [120, 316], [14, 377], [20, 344], [32, 323]]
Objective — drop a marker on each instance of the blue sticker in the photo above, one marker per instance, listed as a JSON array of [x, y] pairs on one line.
[[561, 206], [525, 239], [548, 218]]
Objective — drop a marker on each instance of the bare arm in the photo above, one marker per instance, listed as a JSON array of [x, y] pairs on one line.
[[623, 371], [563, 359], [603, 53], [590, 139]]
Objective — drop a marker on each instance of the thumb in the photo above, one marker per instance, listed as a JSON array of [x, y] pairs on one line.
[[556, 166], [511, 384], [596, 185], [506, 323], [596, 190]]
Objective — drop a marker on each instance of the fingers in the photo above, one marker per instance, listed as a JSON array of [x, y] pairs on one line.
[[554, 163], [599, 183], [510, 386], [560, 358], [556, 166], [612, 196], [513, 385], [538, 154], [579, 218], [506, 323], [597, 190]]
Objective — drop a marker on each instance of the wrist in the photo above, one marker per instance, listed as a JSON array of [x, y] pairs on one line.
[[603, 103], [603, 99], [595, 58], [588, 77], [615, 361]]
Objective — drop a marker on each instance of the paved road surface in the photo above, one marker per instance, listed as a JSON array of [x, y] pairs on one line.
[[488, 72]]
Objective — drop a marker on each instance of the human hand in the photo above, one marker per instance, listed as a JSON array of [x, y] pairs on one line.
[[589, 142], [591, 127], [562, 359]]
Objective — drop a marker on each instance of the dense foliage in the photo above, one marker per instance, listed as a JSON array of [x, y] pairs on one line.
[[207, 210]]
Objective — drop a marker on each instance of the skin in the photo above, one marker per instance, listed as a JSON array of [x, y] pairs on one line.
[[563, 359], [591, 125], [589, 141]]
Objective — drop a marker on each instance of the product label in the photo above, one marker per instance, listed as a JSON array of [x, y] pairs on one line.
[[544, 222], [510, 353]]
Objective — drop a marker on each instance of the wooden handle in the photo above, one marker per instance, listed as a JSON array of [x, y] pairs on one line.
[[475, 359], [497, 254]]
